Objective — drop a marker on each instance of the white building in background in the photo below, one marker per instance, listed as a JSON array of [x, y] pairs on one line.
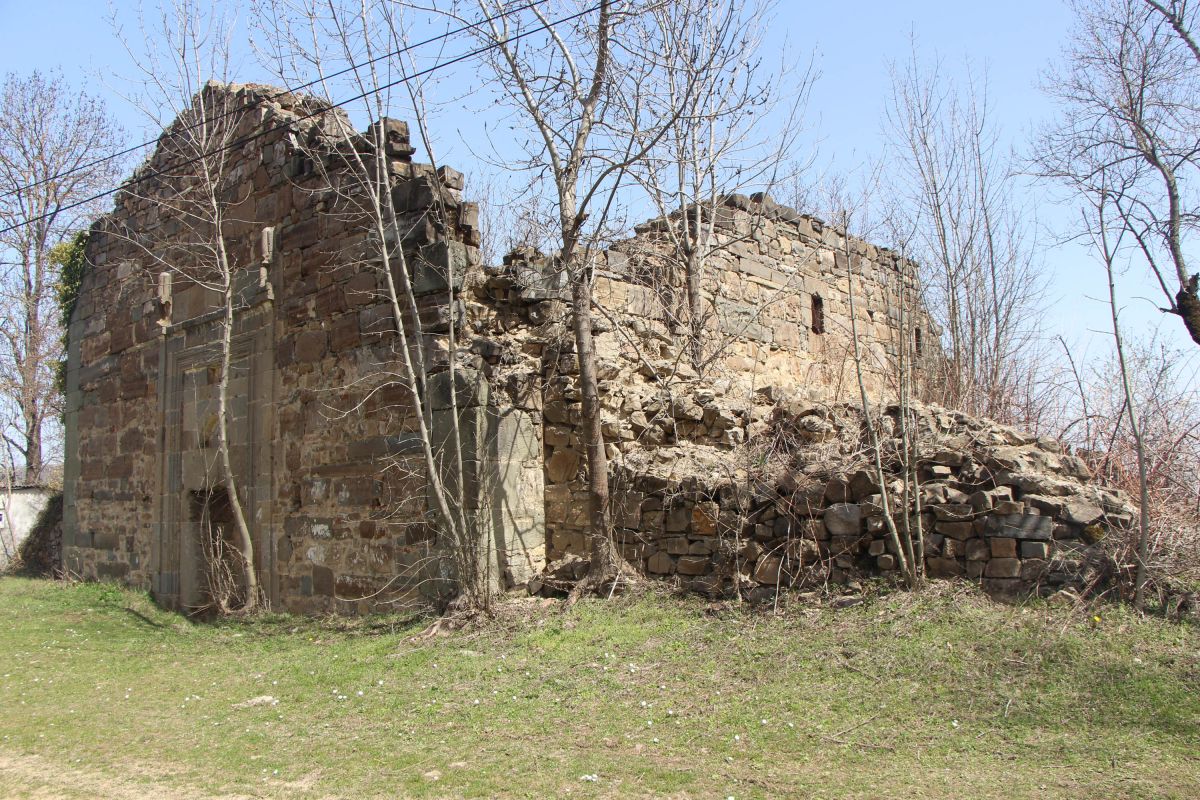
[[19, 510]]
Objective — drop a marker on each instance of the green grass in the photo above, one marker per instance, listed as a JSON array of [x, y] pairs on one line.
[[941, 695]]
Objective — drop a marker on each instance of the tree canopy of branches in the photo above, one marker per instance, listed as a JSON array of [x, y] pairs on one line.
[[50, 137], [969, 233], [1129, 90]]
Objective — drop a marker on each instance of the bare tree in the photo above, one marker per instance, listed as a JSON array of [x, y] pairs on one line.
[[1130, 99], [712, 84], [1108, 241], [972, 237], [184, 89], [50, 137], [353, 48], [563, 84]]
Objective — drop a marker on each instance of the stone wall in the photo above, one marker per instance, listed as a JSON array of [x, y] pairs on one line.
[[769, 268], [804, 507], [324, 441]]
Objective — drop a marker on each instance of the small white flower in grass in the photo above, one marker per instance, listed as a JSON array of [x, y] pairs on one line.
[[954, 723], [737, 737], [380, 682], [476, 702], [762, 722], [589, 778], [791, 724], [655, 740], [359, 693]]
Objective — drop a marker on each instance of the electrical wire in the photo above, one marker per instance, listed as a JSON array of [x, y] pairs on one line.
[[281, 93]]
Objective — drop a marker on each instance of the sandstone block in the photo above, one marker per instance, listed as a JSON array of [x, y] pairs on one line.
[[1003, 568], [677, 546], [1003, 548], [843, 519], [1033, 570], [562, 466], [945, 567], [837, 490], [704, 518], [953, 512], [978, 550], [767, 570], [1021, 526], [1040, 550], [661, 564], [693, 565], [956, 530], [1082, 511]]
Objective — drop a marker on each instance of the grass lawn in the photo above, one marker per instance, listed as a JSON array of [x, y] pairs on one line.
[[941, 695]]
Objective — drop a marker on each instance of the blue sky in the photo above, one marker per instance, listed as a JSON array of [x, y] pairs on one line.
[[1015, 41]]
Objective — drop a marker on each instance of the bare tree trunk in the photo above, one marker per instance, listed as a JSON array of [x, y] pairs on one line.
[[1109, 255], [245, 542], [903, 551], [604, 554]]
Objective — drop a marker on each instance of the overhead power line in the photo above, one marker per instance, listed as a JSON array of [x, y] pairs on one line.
[[151, 174], [278, 95]]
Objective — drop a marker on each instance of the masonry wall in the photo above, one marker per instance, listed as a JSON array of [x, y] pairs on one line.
[[324, 434], [769, 268]]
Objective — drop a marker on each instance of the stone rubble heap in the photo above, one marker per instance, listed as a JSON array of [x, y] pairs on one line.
[[802, 505]]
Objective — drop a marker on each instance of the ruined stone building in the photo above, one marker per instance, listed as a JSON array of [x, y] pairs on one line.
[[324, 441]]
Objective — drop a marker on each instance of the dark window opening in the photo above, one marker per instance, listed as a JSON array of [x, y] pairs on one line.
[[917, 345], [818, 314]]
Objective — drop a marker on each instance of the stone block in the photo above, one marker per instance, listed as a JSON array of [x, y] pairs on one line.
[[956, 530], [678, 546], [661, 564], [978, 550], [1003, 548], [1040, 550], [693, 565], [562, 466], [1003, 568], [310, 346], [843, 519], [704, 518], [953, 512], [1033, 570], [945, 567], [322, 581], [678, 519], [837, 490], [1081, 511], [1021, 526], [768, 570]]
